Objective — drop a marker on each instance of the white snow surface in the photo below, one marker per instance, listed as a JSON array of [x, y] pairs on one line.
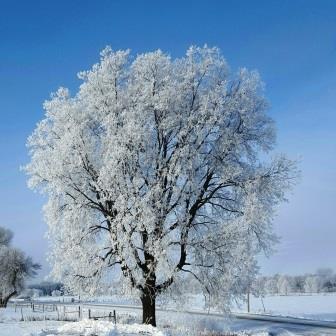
[[171, 324], [318, 307], [321, 307], [102, 328], [89, 328], [33, 328]]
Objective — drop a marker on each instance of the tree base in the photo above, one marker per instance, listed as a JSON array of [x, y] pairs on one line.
[[148, 310]]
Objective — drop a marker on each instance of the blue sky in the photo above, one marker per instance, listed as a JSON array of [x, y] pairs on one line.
[[292, 43]]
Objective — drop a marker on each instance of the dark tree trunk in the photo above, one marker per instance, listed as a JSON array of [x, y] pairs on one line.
[[4, 301], [149, 289], [148, 307]]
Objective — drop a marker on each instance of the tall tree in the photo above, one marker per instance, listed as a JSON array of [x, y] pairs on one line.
[[153, 167], [15, 267]]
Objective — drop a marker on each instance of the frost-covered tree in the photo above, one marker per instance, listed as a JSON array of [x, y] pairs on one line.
[[259, 286], [284, 285], [157, 167], [56, 292], [6, 236], [15, 267], [311, 284], [271, 286], [47, 287]]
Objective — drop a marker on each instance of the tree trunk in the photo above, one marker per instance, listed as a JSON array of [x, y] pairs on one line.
[[149, 289], [148, 307], [4, 301]]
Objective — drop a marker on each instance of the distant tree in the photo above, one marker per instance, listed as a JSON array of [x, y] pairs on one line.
[[325, 277], [56, 292], [324, 280], [271, 285], [15, 267], [259, 286], [47, 287], [5, 236], [154, 169], [311, 284], [284, 285], [298, 283], [329, 285], [31, 292]]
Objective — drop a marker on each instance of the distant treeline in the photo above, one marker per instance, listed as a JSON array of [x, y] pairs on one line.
[[322, 281], [47, 288]]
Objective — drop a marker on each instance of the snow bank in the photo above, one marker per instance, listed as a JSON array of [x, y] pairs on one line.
[[102, 328]]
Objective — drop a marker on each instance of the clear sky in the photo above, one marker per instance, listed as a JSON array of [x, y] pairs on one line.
[[43, 44]]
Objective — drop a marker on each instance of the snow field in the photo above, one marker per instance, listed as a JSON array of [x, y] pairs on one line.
[[317, 307], [170, 324]]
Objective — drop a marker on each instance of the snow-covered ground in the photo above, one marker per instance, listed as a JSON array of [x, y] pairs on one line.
[[170, 324], [319, 307], [90, 328], [316, 307], [27, 328]]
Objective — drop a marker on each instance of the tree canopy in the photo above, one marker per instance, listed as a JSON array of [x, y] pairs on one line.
[[158, 168]]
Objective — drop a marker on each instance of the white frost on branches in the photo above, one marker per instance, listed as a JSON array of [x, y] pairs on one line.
[[154, 168]]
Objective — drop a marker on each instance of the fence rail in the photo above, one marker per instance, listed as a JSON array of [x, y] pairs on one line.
[[43, 307], [63, 312], [111, 316]]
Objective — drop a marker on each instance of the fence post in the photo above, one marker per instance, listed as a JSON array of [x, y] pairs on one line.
[[33, 307], [114, 317], [43, 308], [79, 312], [22, 315], [89, 314]]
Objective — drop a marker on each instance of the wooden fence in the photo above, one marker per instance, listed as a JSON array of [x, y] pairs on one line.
[[111, 316], [42, 308], [68, 312]]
